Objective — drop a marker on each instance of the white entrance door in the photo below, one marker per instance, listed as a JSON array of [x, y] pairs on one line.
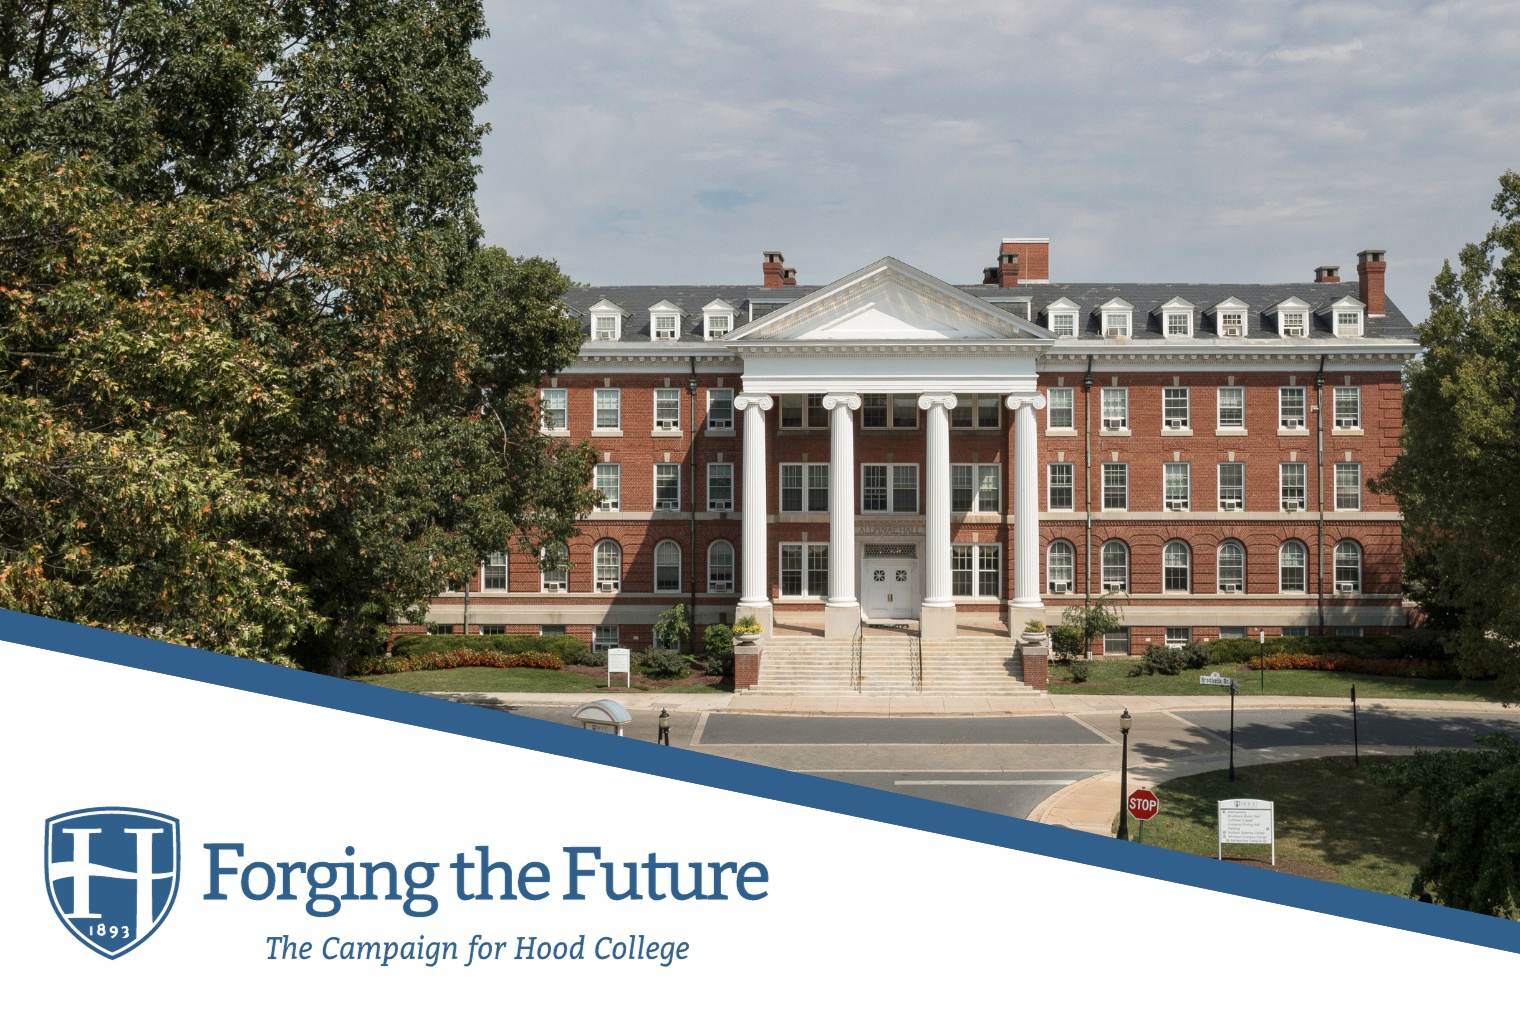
[[889, 583]]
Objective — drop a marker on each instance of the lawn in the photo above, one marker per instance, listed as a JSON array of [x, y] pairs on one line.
[[1332, 822], [1108, 677], [489, 680]]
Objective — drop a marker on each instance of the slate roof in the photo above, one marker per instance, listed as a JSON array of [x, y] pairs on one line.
[[1261, 299]]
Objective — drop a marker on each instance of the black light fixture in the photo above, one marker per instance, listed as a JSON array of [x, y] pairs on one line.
[[1124, 724], [665, 727]]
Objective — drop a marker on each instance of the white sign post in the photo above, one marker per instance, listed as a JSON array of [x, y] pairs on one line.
[[1247, 822], [620, 660]]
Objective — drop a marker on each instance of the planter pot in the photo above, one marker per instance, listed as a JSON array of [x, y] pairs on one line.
[[746, 639]]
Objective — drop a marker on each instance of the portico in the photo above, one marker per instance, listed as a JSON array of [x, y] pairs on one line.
[[888, 329]]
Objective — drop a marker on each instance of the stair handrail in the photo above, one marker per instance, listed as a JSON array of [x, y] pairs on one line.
[[857, 656], [918, 649]]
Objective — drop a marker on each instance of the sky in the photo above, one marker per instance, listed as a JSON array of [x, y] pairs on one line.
[[673, 142]]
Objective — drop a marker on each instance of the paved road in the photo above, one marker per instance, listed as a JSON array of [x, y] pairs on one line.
[[1008, 765]]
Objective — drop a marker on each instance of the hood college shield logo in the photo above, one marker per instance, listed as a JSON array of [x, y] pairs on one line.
[[112, 873]]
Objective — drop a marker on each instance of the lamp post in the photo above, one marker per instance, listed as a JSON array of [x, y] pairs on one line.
[[1124, 724], [665, 727]]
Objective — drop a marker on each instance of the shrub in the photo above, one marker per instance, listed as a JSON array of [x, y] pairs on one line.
[[567, 648], [1066, 643], [1196, 655], [661, 664], [456, 659], [718, 643], [746, 625], [1158, 658], [1034, 626], [1081, 672], [672, 628], [1335, 661]]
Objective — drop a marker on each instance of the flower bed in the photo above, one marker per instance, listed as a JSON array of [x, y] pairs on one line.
[[1415, 668], [458, 658]]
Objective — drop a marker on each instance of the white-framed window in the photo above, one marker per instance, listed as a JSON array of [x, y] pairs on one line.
[[554, 407], [667, 409], [1176, 567], [1061, 486], [1293, 322], [1115, 486], [1115, 404], [1348, 322], [493, 628], [1231, 561], [975, 411], [1232, 485], [667, 486], [805, 569], [604, 637], [1348, 407], [440, 628], [1063, 323], [1177, 485], [719, 323], [720, 409], [1116, 323], [904, 411], [1295, 632], [493, 572], [1233, 633], [607, 479], [1115, 557], [1232, 324], [1292, 411], [889, 488], [606, 327], [1348, 568], [608, 560], [1179, 637], [803, 411], [975, 488], [720, 566], [554, 568], [1061, 567], [1179, 323], [1348, 486], [1116, 642], [1293, 485], [1175, 408], [805, 488], [665, 326], [609, 410], [900, 411], [1060, 408], [1232, 407], [667, 566], [720, 487], [1293, 567], [975, 571]]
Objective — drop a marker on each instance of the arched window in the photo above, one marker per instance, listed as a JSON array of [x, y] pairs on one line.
[[1348, 568], [1115, 566], [1060, 566], [1293, 567], [554, 565], [720, 566], [1232, 566], [1176, 567], [667, 566], [609, 566]]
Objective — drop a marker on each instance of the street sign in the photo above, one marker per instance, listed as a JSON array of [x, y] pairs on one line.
[[1215, 680], [619, 660], [1247, 822], [1143, 805]]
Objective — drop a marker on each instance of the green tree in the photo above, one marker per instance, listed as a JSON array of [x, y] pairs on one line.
[[673, 627], [1090, 622], [260, 389], [1454, 478], [1470, 803]]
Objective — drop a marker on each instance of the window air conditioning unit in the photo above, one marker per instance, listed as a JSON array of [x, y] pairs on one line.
[[722, 586], [1348, 423], [608, 505], [606, 586], [716, 333], [555, 586], [1292, 504], [664, 334], [1114, 331], [1293, 423], [665, 504], [1229, 504], [1232, 586], [720, 423], [667, 425], [1115, 423], [1176, 423], [1293, 331], [1060, 587], [1232, 331], [1345, 587], [1177, 504], [1113, 585], [606, 334], [721, 504]]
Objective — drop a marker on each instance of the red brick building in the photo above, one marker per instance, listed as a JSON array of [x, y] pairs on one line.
[[892, 447]]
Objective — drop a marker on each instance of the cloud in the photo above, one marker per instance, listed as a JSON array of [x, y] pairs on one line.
[[1303, 54], [726, 199]]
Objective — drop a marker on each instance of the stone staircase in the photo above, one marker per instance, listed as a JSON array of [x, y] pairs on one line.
[[971, 666]]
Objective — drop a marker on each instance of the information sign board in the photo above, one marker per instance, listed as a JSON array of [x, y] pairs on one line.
[[1247, 821], [619, 660]]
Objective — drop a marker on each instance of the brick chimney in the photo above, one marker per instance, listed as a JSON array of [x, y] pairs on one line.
[[1370, 267], [1327, 274], [1032, 260], [1008, 269], [990, 275], [788, 277], [772, 267]]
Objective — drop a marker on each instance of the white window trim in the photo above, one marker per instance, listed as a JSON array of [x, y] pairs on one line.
[[1103, 426], [805, 595], [974, 402], [1219, 487], [1186, 428], [1129, 561], [1293, 304], [1282, 498], [655, 477], [1281, 404], [1219, 425], [1177, 306], [1335, 419], [617, 468], [718, 307], [1103, 506], [596, 427], [707, 421], [1348, 305], [605, 308], [732, 502], [733, 567], [543, 580], [1050, 582], [1232, 306], [1050, 407], [976, 572], [673, 429], [976, 488], [1064, 306], [1219, 581], [1338, 586], [668, 309], [543, 406], [1188, 589], [596, 569], [1305, 568], [1050, 487], [807, 488], [1116, 306], [677, 590], [506, 577], [1335, 487], [1187, 470], [892, 489]]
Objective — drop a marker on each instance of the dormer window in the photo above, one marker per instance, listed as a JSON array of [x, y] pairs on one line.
[[1293, 318], [1115, 316], [1176, 318], [606, 321], [1230, 318], [1061, 317], [717, 319], [1346, 317], [665, 321]]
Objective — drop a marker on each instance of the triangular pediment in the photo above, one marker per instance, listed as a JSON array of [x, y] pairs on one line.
[[889, 301]]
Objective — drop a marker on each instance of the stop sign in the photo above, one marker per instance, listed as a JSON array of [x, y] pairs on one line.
[[1143, 805]]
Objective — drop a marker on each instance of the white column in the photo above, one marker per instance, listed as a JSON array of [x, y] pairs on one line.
[[842, 612], [1026, 502], [753, 599], [937, 615]]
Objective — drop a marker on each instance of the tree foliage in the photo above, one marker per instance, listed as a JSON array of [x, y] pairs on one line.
[[261, 390], [1455, 476], [1090, 623], [1470, 802]]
